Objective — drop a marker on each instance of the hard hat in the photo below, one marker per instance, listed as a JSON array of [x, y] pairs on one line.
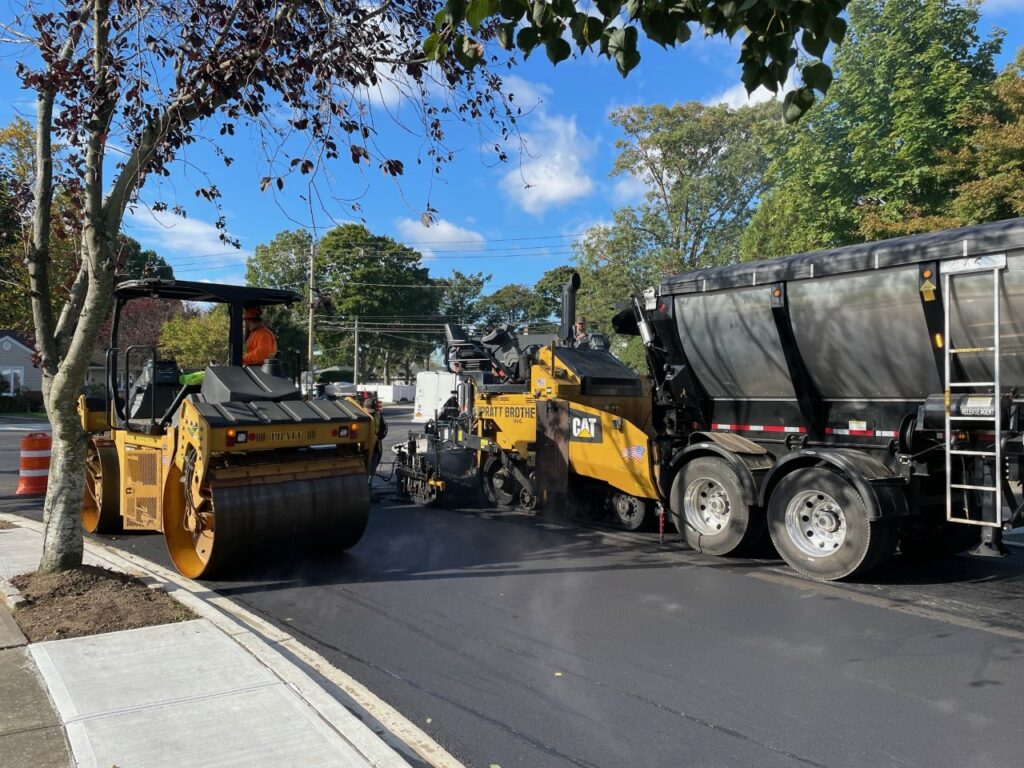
[[253, 313]]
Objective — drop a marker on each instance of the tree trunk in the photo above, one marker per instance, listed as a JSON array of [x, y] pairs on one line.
[[62, 510], [387, 366]]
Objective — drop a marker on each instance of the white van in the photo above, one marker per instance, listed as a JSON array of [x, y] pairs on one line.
[[433, 388]]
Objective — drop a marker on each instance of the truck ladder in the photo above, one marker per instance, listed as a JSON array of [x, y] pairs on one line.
[[951, 270]]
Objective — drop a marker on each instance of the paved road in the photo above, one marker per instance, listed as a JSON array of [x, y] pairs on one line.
[[532, 642]]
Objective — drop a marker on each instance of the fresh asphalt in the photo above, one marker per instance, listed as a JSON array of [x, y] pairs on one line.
[[537, 641]]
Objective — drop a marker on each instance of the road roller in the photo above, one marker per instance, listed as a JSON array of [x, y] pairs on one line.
[[230, 464]]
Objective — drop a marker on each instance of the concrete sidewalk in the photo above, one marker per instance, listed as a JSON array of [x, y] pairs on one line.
[[159, 696]]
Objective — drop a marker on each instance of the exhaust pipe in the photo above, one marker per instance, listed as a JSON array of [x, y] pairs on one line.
[[567, 330]]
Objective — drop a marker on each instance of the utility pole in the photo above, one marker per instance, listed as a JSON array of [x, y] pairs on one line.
[[312, 287], [355, 365]]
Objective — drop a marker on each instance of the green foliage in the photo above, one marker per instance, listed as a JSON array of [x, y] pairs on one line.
[[703, 168], [197, 338], [284, 263], [990, 165], [17, 158], [135, 263], [547, 294], [460, 301], [383, 283], [615, 262], [774, 32], [866, 162], [511, 304]]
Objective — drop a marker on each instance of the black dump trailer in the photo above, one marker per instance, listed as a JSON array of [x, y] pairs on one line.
[[851, 401]]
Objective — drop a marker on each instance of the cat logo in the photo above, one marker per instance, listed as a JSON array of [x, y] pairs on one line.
[[584, 427]]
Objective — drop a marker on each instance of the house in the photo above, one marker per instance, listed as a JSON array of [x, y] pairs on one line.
[[17, 374]]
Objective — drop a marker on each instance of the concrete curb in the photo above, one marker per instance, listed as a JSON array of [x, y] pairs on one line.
[[279, 651], [11, 596]]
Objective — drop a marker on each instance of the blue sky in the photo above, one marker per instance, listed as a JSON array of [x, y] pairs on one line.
[[487, 219]]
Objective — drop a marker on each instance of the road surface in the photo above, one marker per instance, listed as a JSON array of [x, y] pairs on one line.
[[535, 641]]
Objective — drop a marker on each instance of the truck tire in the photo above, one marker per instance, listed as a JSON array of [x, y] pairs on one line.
[[819, 525], [710, 511]]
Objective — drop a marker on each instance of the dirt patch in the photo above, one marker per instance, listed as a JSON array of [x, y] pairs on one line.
[[5, 526], [90, 601]]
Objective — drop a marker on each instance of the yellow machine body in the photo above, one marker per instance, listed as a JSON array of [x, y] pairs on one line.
[[167, 482], [609, 435]]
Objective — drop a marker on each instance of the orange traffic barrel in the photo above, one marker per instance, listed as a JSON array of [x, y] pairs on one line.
[[35, 464]]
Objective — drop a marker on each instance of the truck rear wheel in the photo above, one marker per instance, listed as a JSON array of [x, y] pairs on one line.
[[710, 511], [819, 524]]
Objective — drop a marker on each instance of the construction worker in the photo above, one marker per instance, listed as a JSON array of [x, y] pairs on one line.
[[372, 406], [260, 342]]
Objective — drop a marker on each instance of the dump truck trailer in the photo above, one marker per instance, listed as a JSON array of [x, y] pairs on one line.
[[849, 400]]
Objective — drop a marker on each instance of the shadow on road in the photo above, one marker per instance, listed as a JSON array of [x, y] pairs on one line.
[[405, 542]]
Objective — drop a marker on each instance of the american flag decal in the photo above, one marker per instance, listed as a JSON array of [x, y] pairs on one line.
[[634, 452]]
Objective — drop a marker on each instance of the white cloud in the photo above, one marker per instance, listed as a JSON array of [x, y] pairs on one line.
[[525, 94], [1002, 6], [736, 96], [189, 239], [553, 170], [440, 235], [628, 189]]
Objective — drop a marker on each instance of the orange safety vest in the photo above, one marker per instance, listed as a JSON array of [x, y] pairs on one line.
[[260, 345]]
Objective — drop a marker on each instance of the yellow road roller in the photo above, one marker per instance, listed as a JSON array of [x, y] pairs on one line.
[[231, 465]]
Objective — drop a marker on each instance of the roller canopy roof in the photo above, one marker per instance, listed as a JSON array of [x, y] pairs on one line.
[[996, 237], [210, 292]]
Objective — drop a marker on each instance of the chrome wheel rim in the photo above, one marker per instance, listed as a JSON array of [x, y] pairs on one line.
[[706, 506], [816, 523]]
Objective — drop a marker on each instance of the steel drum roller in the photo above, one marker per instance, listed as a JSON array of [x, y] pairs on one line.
[[269, 521]]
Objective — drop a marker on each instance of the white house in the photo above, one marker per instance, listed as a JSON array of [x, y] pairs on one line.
[[17, 373]]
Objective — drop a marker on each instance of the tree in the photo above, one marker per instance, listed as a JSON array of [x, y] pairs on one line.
[[703, 169], [17, 157], [865, 162], [134, 262], [547, 294], [195, 338], [144, 76], [284, 263], [610, 272], [509, 305], [768, 54], [990, 164], [141, 323], [384, 284], [460, 299]]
